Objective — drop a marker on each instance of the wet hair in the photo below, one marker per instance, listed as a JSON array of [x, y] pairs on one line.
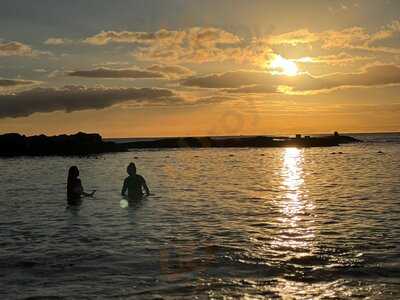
[[73, 173], [131, 169]]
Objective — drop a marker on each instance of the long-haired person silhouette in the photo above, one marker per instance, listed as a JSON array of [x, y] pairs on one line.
[[75, 189]]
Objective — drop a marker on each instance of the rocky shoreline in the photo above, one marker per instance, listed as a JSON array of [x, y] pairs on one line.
[[239, 142], [80, 144], [83, 144]]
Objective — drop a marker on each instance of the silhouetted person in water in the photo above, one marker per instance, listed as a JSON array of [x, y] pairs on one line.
[[74, 187], [135, 184]]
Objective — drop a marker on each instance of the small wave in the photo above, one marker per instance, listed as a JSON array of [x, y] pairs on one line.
[[215, 249], [44, 298], [309, 260]]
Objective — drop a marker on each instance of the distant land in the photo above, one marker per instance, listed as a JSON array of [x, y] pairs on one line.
[[83, 144], [80, 144]]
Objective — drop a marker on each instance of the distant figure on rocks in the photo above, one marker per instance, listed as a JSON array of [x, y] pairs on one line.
[[74, 187], [135, 184]]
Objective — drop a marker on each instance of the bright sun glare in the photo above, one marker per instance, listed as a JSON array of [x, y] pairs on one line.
[[284, 66]]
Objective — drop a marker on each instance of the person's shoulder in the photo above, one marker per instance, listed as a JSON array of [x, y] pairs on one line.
[[140, 177]]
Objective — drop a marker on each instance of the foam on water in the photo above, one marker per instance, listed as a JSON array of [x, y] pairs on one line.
[[223, 223]]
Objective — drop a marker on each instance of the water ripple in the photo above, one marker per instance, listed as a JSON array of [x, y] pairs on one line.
[[263, 223]]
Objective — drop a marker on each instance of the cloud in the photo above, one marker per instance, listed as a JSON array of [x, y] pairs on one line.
[[9, 83], [248, 82], [57, 41], [111, 64], [171, 71], [161, 36], [193, 45], [346, 38], [371, 76], [56, 73], [151, 72], [194, 36], [301, 36], [204, 51], [257, 89], [75, 98], [201, 37], [15, 49], [116, 73], [233, 79], [215, 99], [355, 38], [386, 32], [340, 59], [209, 44]]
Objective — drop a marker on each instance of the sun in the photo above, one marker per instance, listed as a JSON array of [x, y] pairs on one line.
[[284, 66]]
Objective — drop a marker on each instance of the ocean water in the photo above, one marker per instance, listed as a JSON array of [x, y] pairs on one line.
[[319, 223]]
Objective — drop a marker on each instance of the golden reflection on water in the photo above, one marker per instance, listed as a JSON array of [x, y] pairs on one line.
[[296, 218], [292, 173], [296, 234]]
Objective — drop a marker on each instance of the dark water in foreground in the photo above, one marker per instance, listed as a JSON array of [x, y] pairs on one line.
[[223, 224]]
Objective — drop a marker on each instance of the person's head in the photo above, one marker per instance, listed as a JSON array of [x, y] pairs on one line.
[[131, 169], [73, 172]]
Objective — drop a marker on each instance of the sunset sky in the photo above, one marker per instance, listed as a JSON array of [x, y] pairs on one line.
[[199, 67]]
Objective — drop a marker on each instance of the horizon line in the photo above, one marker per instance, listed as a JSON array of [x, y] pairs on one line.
[[251, 135]]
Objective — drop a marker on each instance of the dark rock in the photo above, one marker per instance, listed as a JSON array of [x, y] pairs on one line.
[[258, 141], [80, 144]]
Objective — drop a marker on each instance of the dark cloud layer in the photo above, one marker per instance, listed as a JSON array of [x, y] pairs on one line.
[[233, 79], [264, 82], [152, 72], [74, 98], [8, 83], [116, 73]]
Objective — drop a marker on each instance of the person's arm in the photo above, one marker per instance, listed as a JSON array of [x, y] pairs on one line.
[[146, 188], [89, 194], [124, 187], [82, 191]]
